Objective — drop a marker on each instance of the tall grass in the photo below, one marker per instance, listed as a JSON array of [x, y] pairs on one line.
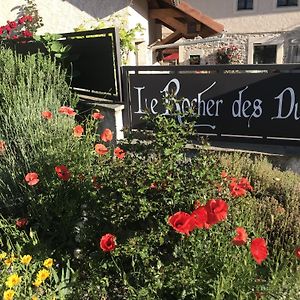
[[28, 86]]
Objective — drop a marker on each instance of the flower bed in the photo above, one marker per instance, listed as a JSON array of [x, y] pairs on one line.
[[135, 220]]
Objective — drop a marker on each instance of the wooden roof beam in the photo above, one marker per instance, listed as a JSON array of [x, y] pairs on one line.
[[170, 39], [199, 16], [174, 25], [165, 12]]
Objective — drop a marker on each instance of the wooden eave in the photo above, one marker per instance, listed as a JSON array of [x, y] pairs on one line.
[[183, 19]]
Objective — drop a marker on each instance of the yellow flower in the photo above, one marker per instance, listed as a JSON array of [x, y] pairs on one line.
[[2, 255], [37, 282], [8, 295], [26, 259], [48, 263], [8, 261], [34, 298], [43, 275], [13, 280]]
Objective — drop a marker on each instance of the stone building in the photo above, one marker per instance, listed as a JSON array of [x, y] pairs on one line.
[[264, 31]]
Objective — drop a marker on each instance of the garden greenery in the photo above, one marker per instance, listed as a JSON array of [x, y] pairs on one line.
[[137, 220]]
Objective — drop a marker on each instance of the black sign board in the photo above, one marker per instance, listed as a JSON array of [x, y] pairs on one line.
[[93, 60], [253, 104]]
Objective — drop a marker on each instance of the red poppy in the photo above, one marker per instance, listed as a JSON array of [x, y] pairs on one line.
[[197, 204], [2, 147], [21, 223], [119, 153], [153, 186], [297, 252], [97, 116], [78, 131], [32, 178], [224, 174], [219, 188], [106, 135], [216, 211], [108, 242], [241, 237], [101, 149], [63, 172], [182, 222], [47, 115], [95, 183], [66, 110], [200, 215], [236, 190], [258, 249], [245, 184]]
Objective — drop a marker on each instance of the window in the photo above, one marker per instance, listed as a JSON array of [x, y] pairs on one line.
[[195, 60], [283, 3], [264, 54], [294, 51], [245, 4]]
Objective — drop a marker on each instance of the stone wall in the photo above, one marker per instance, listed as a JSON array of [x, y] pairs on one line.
[[244, 42]]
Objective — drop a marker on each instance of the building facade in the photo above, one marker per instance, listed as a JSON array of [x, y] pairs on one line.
[[61, 16], [264, 31]]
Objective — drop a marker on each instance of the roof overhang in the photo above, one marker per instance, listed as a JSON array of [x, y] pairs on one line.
[[183, 19]]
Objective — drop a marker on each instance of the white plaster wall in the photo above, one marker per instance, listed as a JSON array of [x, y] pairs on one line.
[[64, 15], [61, 16], [265, 17]]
